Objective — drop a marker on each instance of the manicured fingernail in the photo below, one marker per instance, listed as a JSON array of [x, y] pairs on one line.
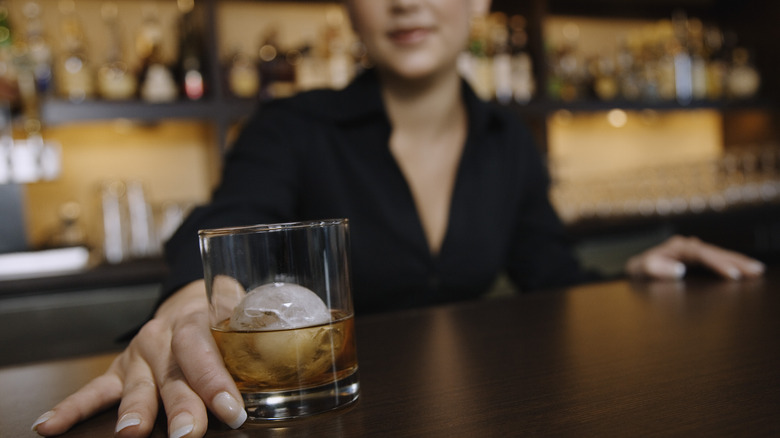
[[756, 268], [181, 425], [733, 273], [127, 420], [42, 419], [229, 410], [679, 270]]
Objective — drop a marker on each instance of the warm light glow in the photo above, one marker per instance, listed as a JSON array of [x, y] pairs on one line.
[[617, 118], [587, 144], [563, 117]]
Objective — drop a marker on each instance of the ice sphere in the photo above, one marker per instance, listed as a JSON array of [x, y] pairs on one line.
[[278, 306]]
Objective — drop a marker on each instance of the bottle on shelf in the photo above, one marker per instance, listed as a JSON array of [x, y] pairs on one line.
[[627, 70], [743, 78], [243, 76], [38, 48], [278, 75], [698, 60], [476, 62], [75, 74], [309, 71], [521, 70], [341, 64], [502, 57], [115, 81], [155, 79], [716, 62], [190, 69], [678, 59], [565, 77], [683, 59]]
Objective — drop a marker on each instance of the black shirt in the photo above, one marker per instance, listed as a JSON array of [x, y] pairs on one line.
[[325, 154]]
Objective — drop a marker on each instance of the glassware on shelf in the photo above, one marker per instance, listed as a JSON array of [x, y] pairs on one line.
[[128, 222], [745, 176]]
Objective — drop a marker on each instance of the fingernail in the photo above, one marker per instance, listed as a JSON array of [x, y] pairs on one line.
[[181, 425], [679, 270], [733, 273], [127, 420], [756, 268], [229, 410], [42, 419]]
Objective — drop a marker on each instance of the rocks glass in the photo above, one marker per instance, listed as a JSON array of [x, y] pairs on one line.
[[281, 313]]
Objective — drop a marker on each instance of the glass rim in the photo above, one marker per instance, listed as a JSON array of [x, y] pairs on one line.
[[260, 228]]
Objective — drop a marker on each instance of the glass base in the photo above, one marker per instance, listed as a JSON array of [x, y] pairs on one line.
[[286, 405]]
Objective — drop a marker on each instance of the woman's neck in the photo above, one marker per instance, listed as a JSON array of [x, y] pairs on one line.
[[425, 107], [429, 132]]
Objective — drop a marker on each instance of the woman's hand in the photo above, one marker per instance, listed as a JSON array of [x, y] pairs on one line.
[[173, 358], [668, 260]]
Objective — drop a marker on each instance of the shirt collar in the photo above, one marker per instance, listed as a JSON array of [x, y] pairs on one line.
[[362, 100]]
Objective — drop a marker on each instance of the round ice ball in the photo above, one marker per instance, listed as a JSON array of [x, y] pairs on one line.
[[278, 306]]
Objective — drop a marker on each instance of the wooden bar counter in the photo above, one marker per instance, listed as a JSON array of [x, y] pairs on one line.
[[700, 357]]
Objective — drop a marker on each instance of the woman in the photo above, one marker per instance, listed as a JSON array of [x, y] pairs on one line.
[[442, 192]]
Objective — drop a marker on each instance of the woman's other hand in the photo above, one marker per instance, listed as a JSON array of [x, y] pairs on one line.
[[669, 259]]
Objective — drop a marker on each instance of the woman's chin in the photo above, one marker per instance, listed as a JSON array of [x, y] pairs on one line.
[[416, 71]]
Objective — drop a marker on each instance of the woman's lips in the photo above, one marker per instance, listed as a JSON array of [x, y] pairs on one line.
[[409, 36]]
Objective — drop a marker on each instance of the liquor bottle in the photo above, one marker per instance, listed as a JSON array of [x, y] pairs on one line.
[[683, 61], [310, 67], [567, 68], [155, 78], [74, 73], [626, 71], [698, 59], [190, 69], [604, 81], [476, 64], [268, 61], [522, 76], [115, 82], [716, 65], [38, 48], [341, 64], [243, 75], [502, 57], [7, 69], [743, 78], [276, 71]]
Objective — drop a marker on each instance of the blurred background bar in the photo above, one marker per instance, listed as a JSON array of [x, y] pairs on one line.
[[654, 116]]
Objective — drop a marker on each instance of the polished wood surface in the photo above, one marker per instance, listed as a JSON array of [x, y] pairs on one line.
[[699, 357]]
